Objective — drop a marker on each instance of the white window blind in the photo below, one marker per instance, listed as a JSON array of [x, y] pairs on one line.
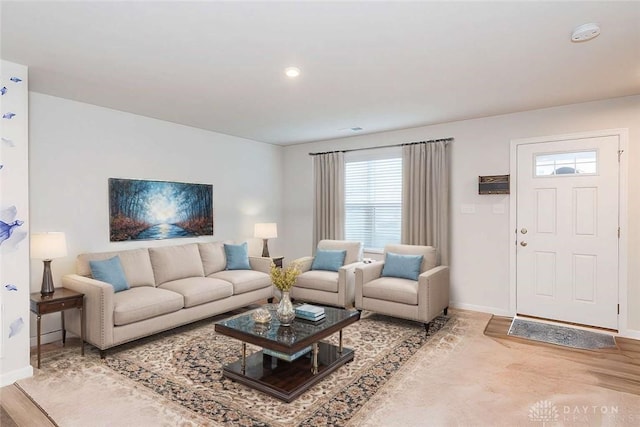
[[373, 201]]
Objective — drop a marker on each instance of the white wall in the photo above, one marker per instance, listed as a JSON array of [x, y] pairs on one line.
[[75, 148], [480, 242]]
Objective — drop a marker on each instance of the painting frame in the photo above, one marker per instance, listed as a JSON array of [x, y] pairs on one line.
[[157, 210]]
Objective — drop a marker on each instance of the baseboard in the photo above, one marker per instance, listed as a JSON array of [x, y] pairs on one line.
[[15, 375], [630, 333], [480, 308]]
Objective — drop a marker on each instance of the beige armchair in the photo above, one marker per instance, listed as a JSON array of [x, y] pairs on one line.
[[420, 300], [336, 288]]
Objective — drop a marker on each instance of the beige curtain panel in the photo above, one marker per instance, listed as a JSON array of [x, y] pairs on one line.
[[425, 196], [328, 212]]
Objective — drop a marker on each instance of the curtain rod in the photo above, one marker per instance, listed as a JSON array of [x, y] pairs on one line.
[[383, 146]]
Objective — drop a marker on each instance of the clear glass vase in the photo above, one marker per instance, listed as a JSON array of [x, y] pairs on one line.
[[285, 311]]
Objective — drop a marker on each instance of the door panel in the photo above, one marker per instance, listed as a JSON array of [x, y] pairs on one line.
[[567, 230]]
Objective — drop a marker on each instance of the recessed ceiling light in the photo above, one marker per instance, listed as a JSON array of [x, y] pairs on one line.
[[292, 72], [585, 32]]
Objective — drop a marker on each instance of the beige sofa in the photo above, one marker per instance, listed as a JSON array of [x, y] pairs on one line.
[[169, 286]]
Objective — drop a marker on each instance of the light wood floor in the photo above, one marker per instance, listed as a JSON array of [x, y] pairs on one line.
[[616, 369], [21, 409]]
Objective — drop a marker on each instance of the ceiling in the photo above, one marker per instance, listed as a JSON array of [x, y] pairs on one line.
[[375, 65]]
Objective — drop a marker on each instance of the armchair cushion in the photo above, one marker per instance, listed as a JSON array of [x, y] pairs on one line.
[[237, 256], [392, 289], [353, 248], [402, 266], [429, 253], [322, 280], [329, 260]]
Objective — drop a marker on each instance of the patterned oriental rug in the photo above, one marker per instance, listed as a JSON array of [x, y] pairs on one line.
[[184, 367]]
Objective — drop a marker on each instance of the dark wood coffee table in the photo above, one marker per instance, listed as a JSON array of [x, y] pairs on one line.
[[274, 375]]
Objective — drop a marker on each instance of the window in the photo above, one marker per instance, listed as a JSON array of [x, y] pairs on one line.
[[581, 162], [373, 197]]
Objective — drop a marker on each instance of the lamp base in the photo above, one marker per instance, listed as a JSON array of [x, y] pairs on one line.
[[47, 288], [265, 248]]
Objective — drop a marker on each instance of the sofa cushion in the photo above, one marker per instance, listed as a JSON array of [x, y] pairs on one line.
[[403, 266], [244, 280], [144, 302], [199, 290], [237, 256], [110, 271], [329, 260], [322, 280], [394, 289], [135, 263], [213, 257], [176, 262]]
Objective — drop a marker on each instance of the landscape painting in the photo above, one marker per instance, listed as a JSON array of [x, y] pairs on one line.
[[153, 210]]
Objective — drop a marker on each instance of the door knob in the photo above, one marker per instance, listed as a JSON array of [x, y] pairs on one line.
[[523, 243], [523, 231]]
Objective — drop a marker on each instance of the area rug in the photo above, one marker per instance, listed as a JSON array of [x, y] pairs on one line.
[[183, 368], [560, 335]]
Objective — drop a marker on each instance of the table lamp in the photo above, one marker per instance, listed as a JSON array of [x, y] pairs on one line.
[[46, 246], [265, 231]]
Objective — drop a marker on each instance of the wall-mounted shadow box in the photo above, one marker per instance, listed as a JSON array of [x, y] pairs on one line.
[[493, 184]]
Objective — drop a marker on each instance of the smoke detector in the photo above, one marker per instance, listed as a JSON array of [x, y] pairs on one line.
[[585, 32]]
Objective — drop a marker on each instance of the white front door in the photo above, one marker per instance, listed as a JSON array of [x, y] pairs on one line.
[[567, 230]]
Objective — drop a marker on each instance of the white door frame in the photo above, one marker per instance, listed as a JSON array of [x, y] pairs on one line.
[[623, 137]]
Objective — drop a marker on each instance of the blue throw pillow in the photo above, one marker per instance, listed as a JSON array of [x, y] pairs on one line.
[[328, 260], [403, 266], [110, 271], [237, 256]]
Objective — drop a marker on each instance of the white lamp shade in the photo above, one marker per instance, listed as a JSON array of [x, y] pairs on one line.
[[266, 230], [48, 245]]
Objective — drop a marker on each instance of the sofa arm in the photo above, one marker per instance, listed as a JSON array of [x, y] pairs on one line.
[[366, 273], [304, 263], [433, 292], [259, 263], [98, 310]]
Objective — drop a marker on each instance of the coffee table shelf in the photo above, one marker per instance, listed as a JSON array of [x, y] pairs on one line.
[[287, 380]]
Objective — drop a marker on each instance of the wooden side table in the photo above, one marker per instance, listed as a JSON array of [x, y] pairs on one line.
[[277, 260], [62, 299]]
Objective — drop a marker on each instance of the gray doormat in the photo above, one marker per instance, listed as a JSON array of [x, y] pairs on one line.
[[560, 335]]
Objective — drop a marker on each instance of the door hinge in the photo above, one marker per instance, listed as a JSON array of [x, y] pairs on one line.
[[620, 154]]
